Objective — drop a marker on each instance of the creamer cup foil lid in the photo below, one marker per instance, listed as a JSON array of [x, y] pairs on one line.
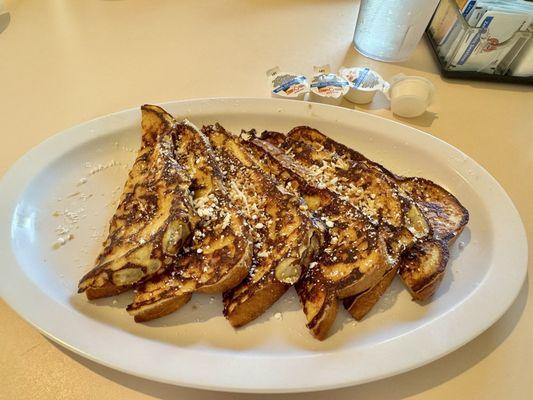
[[286, 84], [364, 79], [328, 85]]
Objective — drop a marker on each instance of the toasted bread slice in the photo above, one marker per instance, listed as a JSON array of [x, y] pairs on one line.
[[361, 304], [447, 218], [433, 212], [446, 215], [220, 253], [353, 257], [422, 267], [153, 219], [365, 184], [285, 238], [370, 187]]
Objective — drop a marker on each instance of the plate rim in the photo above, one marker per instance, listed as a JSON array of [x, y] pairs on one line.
[[8, 181]]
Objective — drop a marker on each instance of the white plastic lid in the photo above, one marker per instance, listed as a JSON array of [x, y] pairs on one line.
[[410, 96]]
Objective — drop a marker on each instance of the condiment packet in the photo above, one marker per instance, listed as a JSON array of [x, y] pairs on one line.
[[327, 87], [364, 83], [484, 49], [287, 85]]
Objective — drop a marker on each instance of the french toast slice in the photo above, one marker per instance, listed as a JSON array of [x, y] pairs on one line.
[[220, 252], [285, 238], [422, 267], [353, 256], [445, 214], [370, 187], [154, 217], [361, 304], [364, 183]]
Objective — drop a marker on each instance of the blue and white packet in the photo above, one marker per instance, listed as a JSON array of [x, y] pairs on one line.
[[364, 83], [327, 87], [287, 85]]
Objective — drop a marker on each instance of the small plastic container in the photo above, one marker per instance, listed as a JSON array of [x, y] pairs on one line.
[[410, 96], [364, 84], [327, 87], [287, 85]]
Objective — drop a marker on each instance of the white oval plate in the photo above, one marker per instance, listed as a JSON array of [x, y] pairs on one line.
[[195, 346]]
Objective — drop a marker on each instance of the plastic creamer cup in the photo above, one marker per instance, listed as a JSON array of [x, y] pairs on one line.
[[326, 87], [410, 96], [287, 85], [364, 83]]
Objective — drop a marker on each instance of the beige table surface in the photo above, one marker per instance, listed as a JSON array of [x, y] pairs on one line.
[[63, 62]]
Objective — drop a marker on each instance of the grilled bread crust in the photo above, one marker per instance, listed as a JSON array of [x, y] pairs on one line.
[[445, 214], [251, 216], [285, 238], [364, 183], [220, 251], [433, 209], [361, 304], [353, 256], [154, 217], [422, 267]]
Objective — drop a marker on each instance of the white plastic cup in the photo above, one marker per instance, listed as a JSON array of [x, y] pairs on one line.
[[326, 87], [389, 30], [410, 96], [364, 84], [286, 85], [331, 100]]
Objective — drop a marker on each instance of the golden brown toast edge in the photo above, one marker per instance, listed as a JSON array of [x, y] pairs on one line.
[[422, 268], [444, 213], [132, 252], [360, 305], [222, 235], [320, 307], [396, 208], [447, 217], [161, 308], [286, 238], [318, 295]]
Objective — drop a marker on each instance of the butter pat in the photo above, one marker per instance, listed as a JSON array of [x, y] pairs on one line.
[[364, 83], [327, 87], [287, 85]]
